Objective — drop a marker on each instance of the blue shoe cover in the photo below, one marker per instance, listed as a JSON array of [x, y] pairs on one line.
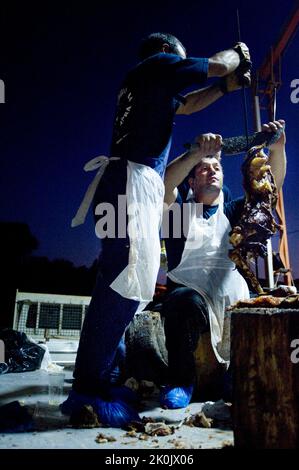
[[124, 393], [114, 413], [75, 401], [176, 397]]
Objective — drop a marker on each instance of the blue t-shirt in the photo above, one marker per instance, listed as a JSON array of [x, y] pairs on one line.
[[175, 246], [147, 103]]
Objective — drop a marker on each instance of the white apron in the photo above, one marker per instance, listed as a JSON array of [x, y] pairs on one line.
[[145, 196], [206, 268]]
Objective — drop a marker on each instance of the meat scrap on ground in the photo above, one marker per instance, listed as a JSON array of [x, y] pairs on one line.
[[268, 301]]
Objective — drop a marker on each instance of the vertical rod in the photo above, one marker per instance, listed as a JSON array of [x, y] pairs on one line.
[[245, 110], [269, 259], [258, 127], [274, 103]]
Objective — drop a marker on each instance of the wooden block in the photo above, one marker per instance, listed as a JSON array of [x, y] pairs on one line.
[[209, 372], [265, 380]]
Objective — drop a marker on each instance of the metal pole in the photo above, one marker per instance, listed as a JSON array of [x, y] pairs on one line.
[[243, 87], [269, 259]]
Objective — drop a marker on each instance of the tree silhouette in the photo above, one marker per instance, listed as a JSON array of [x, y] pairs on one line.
[[20, 270]]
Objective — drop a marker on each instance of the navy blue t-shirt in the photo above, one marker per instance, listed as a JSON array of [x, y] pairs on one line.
[[147, 103], [175, 246]]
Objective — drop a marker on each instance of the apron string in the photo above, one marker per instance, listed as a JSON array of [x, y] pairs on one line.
[[98, 163]]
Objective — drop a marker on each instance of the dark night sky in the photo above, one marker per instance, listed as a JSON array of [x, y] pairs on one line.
[[62, 66]]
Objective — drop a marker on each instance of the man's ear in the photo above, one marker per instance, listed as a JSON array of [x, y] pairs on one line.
[[165, 47], [191, 182]]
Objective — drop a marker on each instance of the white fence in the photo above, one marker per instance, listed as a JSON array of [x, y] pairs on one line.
[[50, 315], [58, 319]]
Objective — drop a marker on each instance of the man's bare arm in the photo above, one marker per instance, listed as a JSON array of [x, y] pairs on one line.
[[225, 62], [200, 99], [175, 174], [277, 154], [222, 64]]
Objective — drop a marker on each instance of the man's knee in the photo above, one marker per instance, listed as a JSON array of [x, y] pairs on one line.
[[185, 306], [185, 300]]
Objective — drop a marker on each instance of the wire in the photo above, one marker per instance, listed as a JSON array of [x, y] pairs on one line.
[[245, 109]]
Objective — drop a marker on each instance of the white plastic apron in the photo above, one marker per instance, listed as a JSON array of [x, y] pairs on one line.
[[206, 268], [145, 196]]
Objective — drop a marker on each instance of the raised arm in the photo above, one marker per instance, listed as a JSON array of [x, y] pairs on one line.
[[223, 63], [200, 99], [233, 65], [178, 169], [277, 154]]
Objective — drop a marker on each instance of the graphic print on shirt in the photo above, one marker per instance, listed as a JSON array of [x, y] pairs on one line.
[[123, 114]]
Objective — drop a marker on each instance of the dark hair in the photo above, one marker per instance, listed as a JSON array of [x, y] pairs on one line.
[[191, 173], [152, 44]]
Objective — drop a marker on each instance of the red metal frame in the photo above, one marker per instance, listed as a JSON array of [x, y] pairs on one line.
[[267, 74]]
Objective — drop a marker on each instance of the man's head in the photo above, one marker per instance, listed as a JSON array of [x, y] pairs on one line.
[[206, 179], [161, 42]]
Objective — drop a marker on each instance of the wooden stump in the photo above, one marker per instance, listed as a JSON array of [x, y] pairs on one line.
[[209, 372], [147, 356], [265, 380], [146, 353]]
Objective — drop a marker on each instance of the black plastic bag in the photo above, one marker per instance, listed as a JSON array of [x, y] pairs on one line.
[[21, 354], [15, 418]]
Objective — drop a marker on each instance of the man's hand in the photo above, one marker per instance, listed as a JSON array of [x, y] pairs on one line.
[[244, 55], [225, 62], [242, 75], [235, 81], [274, 126], [208, 144]]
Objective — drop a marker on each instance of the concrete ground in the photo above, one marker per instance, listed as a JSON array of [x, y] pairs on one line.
[[53, 432]]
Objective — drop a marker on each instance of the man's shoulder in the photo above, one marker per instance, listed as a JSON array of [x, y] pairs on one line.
[[157, 60], [183, 191], [163, 57], [154, 67], [233, 209], [235, 203]]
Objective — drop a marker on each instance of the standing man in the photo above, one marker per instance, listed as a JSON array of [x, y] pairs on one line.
[[204, 281], [147, 102]]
